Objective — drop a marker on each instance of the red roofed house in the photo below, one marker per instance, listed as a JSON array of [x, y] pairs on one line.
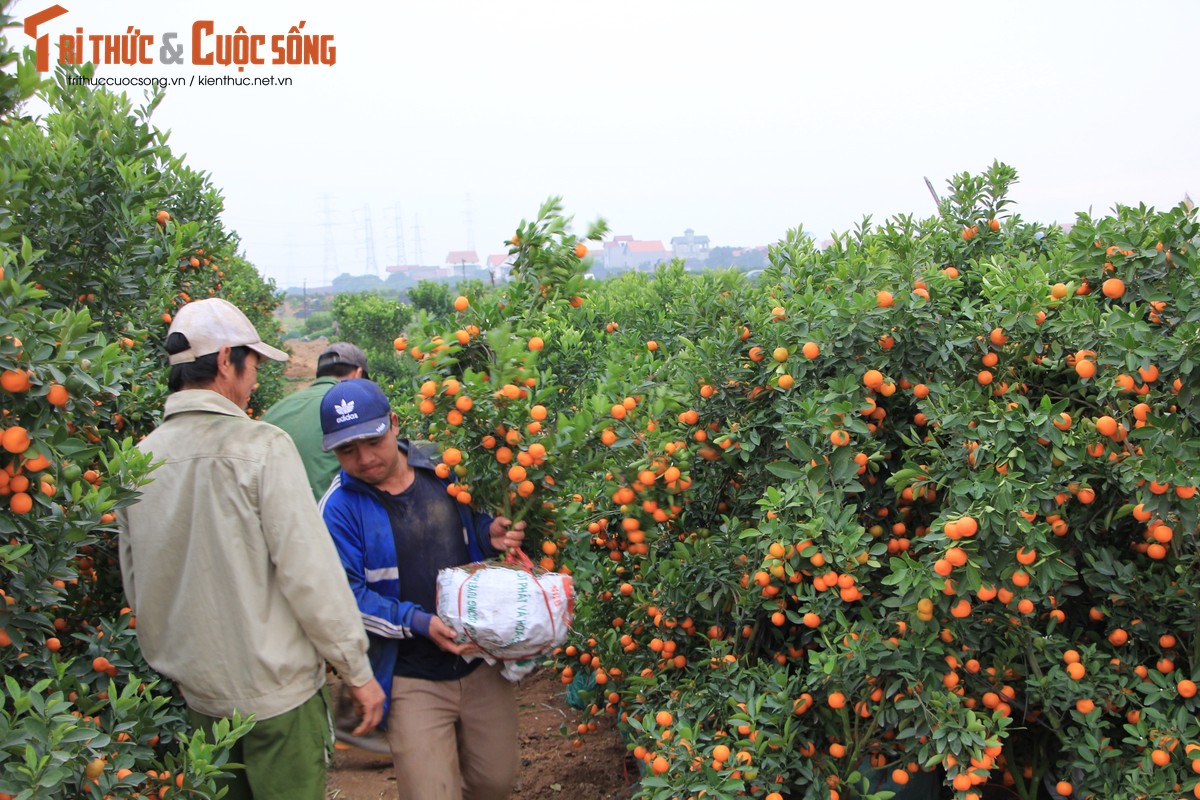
[[465, 264], [499, 265], [625, 253], [462, 257]]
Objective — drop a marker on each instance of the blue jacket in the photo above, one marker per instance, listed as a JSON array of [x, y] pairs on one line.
[[362, 534]]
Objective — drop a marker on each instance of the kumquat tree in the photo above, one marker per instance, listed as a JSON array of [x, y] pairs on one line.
[[103, 234], [913, 515], [499, 414]]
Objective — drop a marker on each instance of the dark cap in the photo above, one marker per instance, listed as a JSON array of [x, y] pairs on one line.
[[342, 353], [353, 409]]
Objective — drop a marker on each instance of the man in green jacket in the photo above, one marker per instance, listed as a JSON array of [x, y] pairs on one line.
[[299, 414]]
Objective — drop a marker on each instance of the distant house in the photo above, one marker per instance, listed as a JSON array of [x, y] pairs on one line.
[[499, 265], [691, 248], [625, 253], [464, 264], [462, 258], [416, 272]]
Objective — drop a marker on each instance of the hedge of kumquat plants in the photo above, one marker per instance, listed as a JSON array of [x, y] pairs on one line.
[[918, 507]]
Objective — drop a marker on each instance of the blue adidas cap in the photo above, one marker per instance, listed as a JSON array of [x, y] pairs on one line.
[[353, 409]]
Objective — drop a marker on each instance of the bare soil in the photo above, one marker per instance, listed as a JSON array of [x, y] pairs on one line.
[[553, 767], [301, 368]]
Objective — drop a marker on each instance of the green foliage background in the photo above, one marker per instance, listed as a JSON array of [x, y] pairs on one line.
[[90, 279]]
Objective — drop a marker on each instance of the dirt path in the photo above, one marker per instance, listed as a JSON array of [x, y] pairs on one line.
[[301, 368], [552, 766]]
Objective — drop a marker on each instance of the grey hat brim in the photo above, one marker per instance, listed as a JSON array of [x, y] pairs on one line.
[[363, 430]]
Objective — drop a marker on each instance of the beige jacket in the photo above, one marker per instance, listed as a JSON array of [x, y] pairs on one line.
[[239, 593]]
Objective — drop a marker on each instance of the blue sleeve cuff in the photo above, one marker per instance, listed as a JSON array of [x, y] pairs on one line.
[[420, 622]]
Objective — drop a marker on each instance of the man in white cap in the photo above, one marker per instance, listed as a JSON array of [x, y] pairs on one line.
[[237, 588]]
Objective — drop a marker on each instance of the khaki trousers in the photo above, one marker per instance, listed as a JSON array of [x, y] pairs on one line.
[[454, 740]]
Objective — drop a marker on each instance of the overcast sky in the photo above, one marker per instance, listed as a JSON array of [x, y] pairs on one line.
[[448, 121]]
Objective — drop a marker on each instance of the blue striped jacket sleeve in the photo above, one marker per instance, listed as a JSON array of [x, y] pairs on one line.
[[369, 559]]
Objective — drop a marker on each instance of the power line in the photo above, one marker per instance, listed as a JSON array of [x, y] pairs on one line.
[[470, 225], [370, 265], [330, 265], [417, 243], [401, 256]]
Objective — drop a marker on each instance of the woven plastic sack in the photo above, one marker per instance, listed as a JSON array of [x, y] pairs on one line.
[[515, 612]]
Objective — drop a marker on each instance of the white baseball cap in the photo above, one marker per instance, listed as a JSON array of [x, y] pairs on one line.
[[213, 323]]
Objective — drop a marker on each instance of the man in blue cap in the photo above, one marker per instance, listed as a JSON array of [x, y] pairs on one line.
[[452, 723]]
